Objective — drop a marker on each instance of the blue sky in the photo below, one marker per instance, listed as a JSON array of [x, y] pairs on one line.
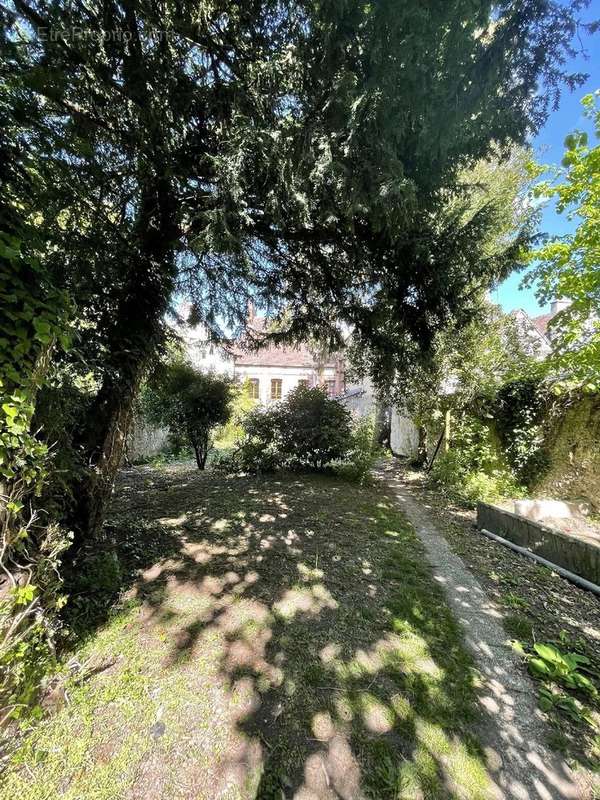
[[548, 149]]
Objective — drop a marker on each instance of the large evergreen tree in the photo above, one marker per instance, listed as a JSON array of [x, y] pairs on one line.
[[301, 152]]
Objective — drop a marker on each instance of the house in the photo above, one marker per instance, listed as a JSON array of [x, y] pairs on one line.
[[273, 370], [534, 333], [204, 353]]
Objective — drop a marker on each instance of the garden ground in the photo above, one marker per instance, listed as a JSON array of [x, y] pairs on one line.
[[534, 604], [275, 638]]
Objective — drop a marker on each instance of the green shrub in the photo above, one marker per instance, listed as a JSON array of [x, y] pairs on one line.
[[474, 485], [260, 449], [519, 410], [226, 460], [99, 572], [307, 429], [363, 452], [488, 488], [314, 430], [191, 404], [473, 468]]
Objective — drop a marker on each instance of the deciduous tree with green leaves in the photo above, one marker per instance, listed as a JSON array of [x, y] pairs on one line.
[[190, 403], [569, 266]]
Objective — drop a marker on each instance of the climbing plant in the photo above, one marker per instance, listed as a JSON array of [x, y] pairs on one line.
[[33, 319]]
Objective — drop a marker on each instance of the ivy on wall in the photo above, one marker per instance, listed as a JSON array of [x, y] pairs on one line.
[[34, 319], [518, 411]]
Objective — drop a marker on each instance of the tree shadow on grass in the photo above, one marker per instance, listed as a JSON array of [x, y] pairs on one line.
[[304, 605], [356, 680]]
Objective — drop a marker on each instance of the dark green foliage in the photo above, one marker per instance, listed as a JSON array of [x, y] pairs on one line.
[[519, 411], [362, 454], [261, 449], [314, 429], [474, 468], [189, 403], [307, 429], [98, 573]]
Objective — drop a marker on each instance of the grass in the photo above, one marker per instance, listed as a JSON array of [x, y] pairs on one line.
[[287, 638]]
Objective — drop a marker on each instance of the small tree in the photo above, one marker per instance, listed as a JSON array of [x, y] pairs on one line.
[[190, 404]]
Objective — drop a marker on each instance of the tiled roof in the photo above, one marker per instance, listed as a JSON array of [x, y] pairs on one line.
[[541, 323], [297, 355], [271, 356]]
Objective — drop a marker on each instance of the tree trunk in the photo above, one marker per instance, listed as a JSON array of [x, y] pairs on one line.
[[200, 451], [381, 424], [197, 454], [137, 328], [421, 457], [134, 338]]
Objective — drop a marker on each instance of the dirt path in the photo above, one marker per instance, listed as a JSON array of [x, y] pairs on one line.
[[513, 731]]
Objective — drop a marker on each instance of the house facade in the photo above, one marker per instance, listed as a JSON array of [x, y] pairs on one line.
[[272, 371], [534, 334]]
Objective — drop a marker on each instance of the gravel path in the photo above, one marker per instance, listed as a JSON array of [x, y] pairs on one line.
[[513, 731]]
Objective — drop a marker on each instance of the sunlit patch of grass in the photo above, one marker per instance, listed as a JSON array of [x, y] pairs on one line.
[[248, 656], [132, 711]]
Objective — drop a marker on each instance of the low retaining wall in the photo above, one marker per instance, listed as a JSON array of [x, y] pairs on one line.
[[572, 552]]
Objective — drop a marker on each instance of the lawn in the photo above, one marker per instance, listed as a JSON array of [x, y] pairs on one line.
[[273, 638]]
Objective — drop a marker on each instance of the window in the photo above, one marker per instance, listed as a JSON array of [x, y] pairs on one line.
[[330, 386], [254, 388], [303, 382], [275, 388]]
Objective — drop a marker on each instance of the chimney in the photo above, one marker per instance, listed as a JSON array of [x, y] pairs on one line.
[[559, 305], [251, 311]]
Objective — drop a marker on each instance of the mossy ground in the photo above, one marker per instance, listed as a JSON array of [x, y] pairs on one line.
[[288, 640]]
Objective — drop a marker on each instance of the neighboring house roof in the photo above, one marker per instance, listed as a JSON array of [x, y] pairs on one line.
[[541, 323], [271, 355], [276, 356], [532, 336]]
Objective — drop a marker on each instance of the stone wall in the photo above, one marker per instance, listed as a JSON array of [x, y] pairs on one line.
[[577, 553], [359, 401], [145, 441], [573, 448], [404, 436]]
